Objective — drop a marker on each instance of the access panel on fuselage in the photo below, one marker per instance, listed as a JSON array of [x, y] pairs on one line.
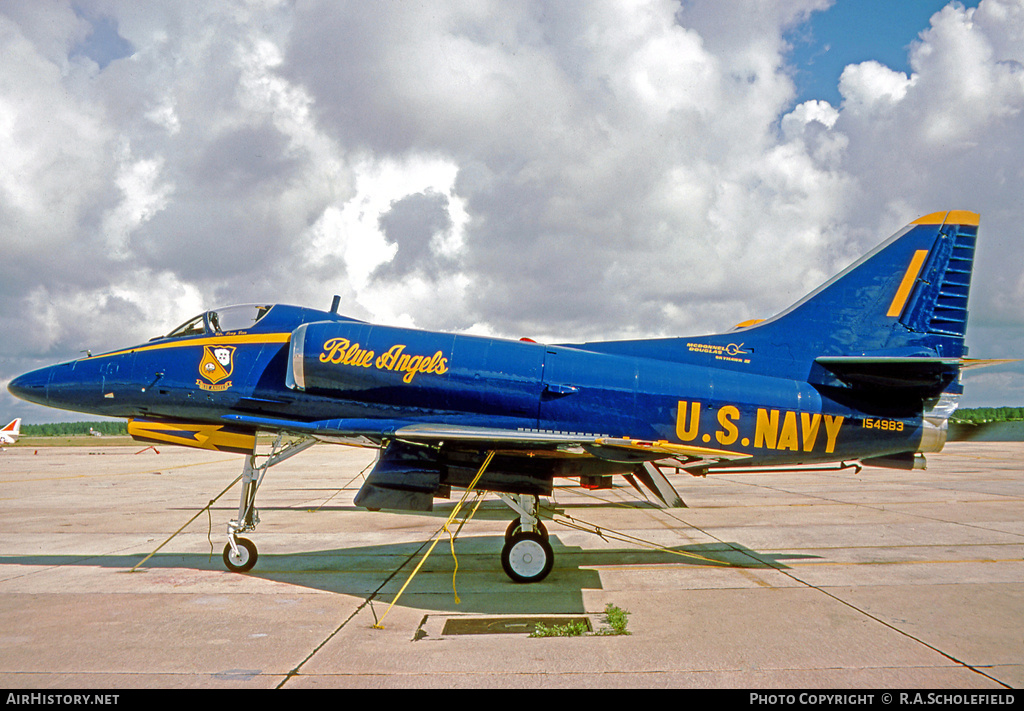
[[590, 393]]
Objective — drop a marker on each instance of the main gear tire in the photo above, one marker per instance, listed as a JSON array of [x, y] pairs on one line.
[[516, 527], [527, 557]]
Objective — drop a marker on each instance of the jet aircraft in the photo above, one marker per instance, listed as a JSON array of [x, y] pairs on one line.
[[10, 433], [864, 369]]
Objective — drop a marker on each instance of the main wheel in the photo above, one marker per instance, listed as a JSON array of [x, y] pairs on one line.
[[246, 558], [527, 557], [515, 527]]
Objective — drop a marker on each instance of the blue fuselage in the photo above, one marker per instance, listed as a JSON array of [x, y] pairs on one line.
[[303, 366]]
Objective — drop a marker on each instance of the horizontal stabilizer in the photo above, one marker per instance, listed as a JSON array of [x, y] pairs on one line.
[[923, 375]]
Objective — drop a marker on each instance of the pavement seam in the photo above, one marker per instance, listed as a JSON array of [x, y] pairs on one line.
[[367, 603], [775, 566]]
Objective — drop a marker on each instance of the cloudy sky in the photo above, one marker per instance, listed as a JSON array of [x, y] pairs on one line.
[[559, 170]]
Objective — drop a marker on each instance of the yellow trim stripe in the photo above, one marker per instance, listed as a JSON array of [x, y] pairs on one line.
[[903, 293], [936, 218], [952, 217], [219, 341], [199, 436], [963, 217], [668, 448]]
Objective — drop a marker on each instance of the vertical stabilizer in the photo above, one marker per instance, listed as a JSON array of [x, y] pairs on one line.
[[10, 433], [906, 298]]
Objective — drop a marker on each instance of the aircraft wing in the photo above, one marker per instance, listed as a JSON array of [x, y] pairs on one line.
[[621, 449], [602, 446], [399, 475]]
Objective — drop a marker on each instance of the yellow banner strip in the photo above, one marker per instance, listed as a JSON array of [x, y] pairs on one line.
[[903, 293]]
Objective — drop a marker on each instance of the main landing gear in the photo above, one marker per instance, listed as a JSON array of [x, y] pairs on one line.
[[526, 556], [240, 554]]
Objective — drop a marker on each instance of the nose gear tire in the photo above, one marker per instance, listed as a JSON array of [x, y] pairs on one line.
[[246, 558]]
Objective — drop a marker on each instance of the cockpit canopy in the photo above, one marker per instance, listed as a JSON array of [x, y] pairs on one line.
[[231, 318]]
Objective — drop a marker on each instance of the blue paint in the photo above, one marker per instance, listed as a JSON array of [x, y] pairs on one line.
[[836, 377]]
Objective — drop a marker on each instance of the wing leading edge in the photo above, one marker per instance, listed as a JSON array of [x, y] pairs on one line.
[[420, 461], [536, 442]]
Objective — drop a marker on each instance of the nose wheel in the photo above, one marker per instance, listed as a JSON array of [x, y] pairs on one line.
[[242, 557]]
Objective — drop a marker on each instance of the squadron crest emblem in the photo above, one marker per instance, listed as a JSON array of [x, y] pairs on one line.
[[216, 366]]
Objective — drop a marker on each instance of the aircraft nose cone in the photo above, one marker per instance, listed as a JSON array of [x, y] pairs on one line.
[[31, 386]]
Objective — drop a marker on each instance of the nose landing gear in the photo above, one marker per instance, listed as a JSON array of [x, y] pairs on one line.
[[240, 554], [240, 557]]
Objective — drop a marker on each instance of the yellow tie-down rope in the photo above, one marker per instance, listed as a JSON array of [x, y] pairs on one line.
[[455, 512], [606, 533], [198, 514]]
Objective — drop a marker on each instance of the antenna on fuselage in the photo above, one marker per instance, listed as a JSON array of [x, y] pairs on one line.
[[335, 304]]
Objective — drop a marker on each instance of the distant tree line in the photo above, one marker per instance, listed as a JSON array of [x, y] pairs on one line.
[[68, 429], [989, 414]]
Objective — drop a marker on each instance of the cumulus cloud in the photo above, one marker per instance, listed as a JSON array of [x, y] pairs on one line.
[[566, 171], [949, 134], [870, 86], [415, 225]]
